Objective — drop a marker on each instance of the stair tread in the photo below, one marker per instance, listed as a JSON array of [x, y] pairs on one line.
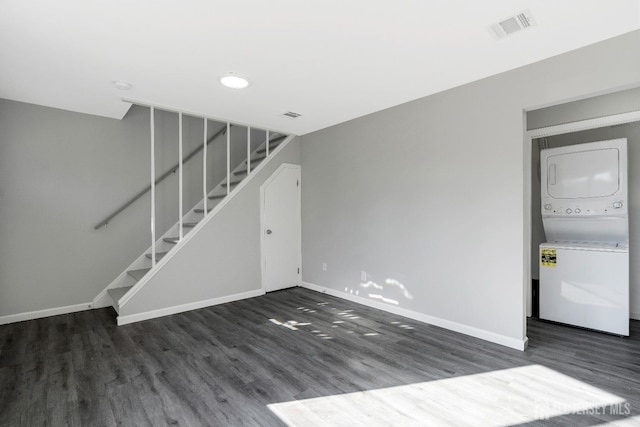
[[202, 210], [232, 183], [117, 293], [138, 274], [173, 240], [189, 224], [272, 145], [159, 255], [262, 151], [217, 196], [257, 159]]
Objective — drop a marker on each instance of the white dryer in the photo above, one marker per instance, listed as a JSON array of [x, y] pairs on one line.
[[584, 266]]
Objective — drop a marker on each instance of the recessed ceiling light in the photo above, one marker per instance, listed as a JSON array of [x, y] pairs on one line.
[[121, 85], [234, 81]]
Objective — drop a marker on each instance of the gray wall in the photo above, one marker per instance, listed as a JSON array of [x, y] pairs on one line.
[[631, 131], [618, 102], [430, 193], [223, 259], [61, 173]]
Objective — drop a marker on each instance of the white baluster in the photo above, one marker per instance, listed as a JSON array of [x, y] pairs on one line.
[[153, 188], [180, 175], [204, 169], [248, 150], [267, 153], [228, 157]]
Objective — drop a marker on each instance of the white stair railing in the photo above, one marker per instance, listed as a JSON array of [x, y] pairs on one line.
[[136, 274], [228, 179], [139, 272]]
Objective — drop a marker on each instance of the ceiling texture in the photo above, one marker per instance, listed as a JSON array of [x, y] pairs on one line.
[[330, 61]]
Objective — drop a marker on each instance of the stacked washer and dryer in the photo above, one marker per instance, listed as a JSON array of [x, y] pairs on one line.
[[584, 266]]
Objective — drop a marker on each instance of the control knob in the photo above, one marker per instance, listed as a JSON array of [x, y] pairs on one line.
[[617, 205], [547, 207], [568, 211]]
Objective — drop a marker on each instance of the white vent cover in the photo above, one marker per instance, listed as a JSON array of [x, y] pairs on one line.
[[512, 24], [292, 115]]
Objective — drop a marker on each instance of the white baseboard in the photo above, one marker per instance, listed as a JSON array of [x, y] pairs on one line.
[[167, 311], [30, 315], [431, 320]]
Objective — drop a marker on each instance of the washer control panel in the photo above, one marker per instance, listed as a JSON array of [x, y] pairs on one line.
[[567, 209]]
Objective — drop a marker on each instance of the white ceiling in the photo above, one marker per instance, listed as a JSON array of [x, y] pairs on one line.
[[330, 60]]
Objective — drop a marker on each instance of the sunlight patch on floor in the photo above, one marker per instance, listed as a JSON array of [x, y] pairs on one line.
[[492, 399], [625, 422]]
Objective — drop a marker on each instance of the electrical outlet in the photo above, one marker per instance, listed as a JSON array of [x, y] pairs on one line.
[[324, 266], [363, 276]]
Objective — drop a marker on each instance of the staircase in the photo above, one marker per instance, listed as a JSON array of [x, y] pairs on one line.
[[134, 276]]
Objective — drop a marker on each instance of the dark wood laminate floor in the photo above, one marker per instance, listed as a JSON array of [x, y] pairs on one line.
[[223, 365]]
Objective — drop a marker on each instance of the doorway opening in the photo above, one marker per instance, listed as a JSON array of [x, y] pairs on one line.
[[625, 125], [281, 229]]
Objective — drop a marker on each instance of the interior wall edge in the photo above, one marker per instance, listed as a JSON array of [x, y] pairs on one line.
[[526, 221]]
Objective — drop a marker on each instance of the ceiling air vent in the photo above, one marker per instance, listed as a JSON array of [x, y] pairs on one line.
[[292, 115], [512, 24]]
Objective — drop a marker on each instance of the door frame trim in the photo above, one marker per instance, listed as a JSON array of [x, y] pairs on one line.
[[263, 187], [529, 136]]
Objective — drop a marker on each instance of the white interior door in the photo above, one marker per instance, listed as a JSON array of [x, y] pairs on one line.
[[281, 229]]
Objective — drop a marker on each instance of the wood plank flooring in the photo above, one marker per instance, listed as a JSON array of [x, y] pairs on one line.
[[297, 357]]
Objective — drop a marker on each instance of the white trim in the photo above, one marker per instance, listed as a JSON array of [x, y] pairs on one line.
[[30, 315], [526, 230], [504, 340], [165, 259], [615, 119], [138, 317], [263, 188], [529, 136]]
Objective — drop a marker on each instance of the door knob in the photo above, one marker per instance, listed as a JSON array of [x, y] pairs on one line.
[[269, 231]]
